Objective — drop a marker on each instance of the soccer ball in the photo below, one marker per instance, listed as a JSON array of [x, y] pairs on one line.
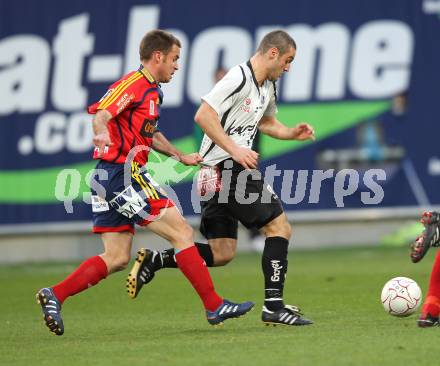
[[401, 296]]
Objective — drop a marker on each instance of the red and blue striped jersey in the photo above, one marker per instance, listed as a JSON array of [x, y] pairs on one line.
[[134, 103]]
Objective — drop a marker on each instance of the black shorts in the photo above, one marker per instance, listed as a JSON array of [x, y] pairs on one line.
[[247, 199]]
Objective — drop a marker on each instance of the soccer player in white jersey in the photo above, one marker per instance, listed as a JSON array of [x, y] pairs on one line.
[[239, 104]]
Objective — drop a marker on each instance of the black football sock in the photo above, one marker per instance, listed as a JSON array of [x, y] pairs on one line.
[[205, 252], [274, 265], [169, 261]]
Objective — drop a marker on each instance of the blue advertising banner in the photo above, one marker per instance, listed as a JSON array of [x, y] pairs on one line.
[[365, 76]]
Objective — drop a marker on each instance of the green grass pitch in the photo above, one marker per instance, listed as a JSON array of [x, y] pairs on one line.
[[339, 289]]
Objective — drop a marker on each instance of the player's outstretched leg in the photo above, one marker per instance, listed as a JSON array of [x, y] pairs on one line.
[[89, 273], [217, 309], [149, 261], [274, 264], [228, 310], [429, 238], [288, 315], [51, 310]]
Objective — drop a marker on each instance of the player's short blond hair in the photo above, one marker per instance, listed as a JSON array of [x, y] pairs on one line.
[[278, 39]]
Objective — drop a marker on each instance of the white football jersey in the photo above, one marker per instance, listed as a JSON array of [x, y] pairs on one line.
[[240, 104]]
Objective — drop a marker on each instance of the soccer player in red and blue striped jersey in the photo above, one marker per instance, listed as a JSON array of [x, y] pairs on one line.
[[123, 194]]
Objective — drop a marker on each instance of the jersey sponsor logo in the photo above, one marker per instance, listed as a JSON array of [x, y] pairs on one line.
[[99, 204], [149, 127], [152, 108], [246, 106], [119, 90], [128, 203], [124, 101], [241, 130]]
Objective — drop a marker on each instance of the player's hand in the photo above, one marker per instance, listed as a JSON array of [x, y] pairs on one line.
[[303, 131], [101, 141], [191, 159], [245, 157]]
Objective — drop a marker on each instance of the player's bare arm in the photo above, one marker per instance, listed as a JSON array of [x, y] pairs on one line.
[[207, 118], [163, 145], [101, 137], [272, 127]]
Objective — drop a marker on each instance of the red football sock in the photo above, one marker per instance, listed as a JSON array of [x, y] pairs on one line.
[[432, 301], [88, 274], [194, 268]]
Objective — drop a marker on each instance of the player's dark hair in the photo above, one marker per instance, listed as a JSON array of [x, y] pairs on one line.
[[157, 40], [278, 39]]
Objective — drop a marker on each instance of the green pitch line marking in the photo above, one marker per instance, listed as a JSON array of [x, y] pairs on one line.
[[38, 185]]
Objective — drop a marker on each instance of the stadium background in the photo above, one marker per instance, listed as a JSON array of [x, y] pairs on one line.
[[355, 68], [366, 76]]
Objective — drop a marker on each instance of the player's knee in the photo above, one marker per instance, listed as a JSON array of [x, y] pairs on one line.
[[188, 232], [223, 253], [281, 228], [116, 263], [287, 230], [184, 233], [224, 258], [122, 262]]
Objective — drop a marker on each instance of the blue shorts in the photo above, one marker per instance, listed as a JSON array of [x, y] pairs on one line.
[[117, 206]]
